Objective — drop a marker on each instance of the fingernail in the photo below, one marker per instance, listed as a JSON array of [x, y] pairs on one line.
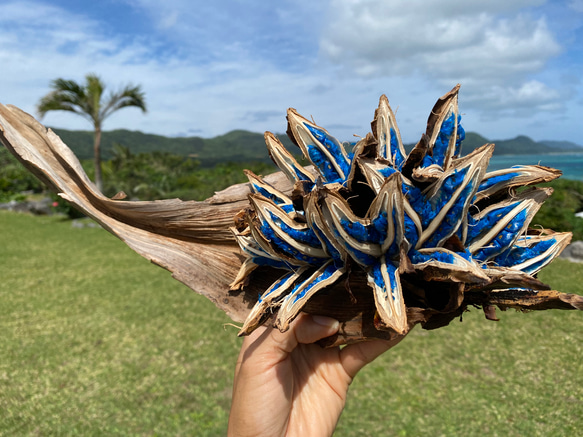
[[326, 321]]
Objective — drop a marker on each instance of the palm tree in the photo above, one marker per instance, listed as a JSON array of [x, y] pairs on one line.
[[88, 101]]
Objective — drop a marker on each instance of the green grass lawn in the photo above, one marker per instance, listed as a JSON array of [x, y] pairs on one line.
[[94, 340]]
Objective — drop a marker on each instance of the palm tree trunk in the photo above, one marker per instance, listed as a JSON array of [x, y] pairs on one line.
[[97, 158]]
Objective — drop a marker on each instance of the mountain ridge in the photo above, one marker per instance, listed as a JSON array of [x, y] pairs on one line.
[[245, 146]]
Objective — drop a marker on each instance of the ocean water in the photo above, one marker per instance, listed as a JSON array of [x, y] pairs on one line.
[[571, 164]]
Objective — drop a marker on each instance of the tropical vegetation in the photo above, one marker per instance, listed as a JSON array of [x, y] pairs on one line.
[[163, 175], [88, 101]]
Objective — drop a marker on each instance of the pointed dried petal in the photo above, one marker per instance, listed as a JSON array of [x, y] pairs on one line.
[[443, 206], [313, 215], [443, 129], [384, 279], [441, 264], [295, 239], [532, 252], [416, 157], [495, 229], [386, 216], [381, 231], [361, 150], [519, 175], [375, 172], [253, 250], [285, 160], [273, 245], [243, 274], [270, 300], [293, 303], [504, 277], [256, 257], [259, 186], [323, 150], [337, 216], [386, 131]]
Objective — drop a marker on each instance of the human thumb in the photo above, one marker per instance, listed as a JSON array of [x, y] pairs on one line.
[[305, 329], [313, 328]]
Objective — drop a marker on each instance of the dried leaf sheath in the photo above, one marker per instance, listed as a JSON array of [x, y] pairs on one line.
[[193, 240], [190, 239]]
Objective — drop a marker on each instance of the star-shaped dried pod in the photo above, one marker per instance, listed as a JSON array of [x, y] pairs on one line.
[[380, 239]]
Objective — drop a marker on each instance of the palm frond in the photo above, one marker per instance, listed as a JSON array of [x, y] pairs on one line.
[[130, 96], [87, 99], [66, 95]]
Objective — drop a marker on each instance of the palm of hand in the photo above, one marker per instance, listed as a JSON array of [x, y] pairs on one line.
[[286, 385]]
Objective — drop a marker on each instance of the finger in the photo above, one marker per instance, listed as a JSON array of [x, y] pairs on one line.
[[355, 356], [306, 329], [250, 341], [313, 328]]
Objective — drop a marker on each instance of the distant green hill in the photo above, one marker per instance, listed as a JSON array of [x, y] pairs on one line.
[[241, 145], [562, 145], [238, 146], [235, 146], [81, 142], [521, 145], [473, 141]]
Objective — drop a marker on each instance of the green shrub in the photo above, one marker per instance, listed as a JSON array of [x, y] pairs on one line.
[[162, 175], [15, 179], [558, 212]]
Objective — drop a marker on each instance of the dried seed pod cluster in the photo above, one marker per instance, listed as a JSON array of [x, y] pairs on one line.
[[425, 227]]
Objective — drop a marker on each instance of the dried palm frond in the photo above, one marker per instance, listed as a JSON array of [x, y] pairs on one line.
[[377, 238]]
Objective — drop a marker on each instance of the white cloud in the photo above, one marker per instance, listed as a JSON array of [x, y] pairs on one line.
[[236, 65], [521, 101], [486, 46], [39, 43], [181, 93], [216, 96]]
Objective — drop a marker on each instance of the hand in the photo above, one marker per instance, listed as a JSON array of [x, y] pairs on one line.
[[287, 385]]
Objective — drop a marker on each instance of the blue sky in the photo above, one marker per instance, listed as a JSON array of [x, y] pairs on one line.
[[209, 67]]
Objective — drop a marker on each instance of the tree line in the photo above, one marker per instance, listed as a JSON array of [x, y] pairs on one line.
[[141, 176], [163, 175]]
